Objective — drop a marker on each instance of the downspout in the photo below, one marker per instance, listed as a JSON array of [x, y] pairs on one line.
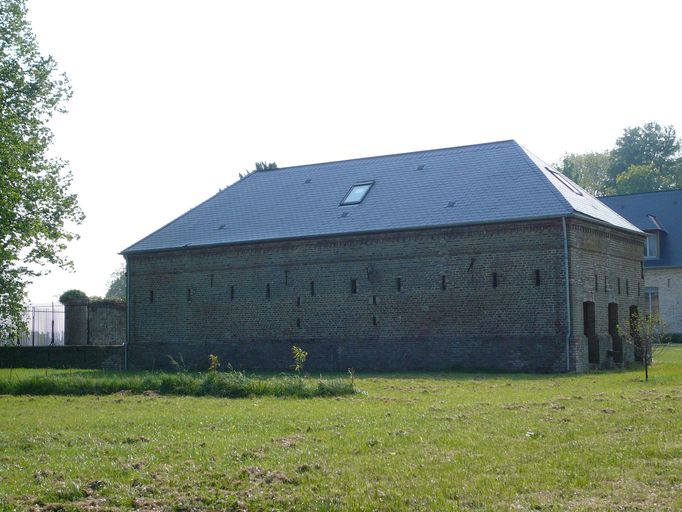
[[568, 298], [128, 313]]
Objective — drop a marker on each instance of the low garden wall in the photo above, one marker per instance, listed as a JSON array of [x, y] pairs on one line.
[[109, 357]]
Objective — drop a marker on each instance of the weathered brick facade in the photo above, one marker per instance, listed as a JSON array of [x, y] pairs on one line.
[[605, 268], [484, 296]]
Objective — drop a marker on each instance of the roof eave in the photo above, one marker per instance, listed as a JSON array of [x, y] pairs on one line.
[[584, 216], [377, 231]]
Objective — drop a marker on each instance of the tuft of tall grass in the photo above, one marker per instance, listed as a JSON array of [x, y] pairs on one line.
[[225, 385]]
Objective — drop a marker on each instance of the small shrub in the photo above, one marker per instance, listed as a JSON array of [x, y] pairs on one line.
[[300, 357], [178, 366], [351, 373], [71, 296], [213, 363]]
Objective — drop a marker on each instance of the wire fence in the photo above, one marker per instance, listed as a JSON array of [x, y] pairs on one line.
[[45, 326]]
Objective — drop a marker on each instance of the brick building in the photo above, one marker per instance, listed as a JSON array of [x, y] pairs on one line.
[[470, 257], [658, 214]]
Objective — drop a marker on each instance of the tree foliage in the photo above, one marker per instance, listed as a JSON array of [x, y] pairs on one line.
[[259, 166], [645, 159], [589, 170], [36, 210], [73, 296], [117, 285], [648, 334]]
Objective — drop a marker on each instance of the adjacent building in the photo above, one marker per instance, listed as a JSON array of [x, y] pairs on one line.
[[476, 257], [659, 215]]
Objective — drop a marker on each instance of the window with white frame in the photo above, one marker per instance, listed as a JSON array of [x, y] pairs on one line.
[[651, 296], [651, 246]]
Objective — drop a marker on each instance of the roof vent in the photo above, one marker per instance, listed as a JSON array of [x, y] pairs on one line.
[[451, 204], [420, 167], [344, 214], [308, 180], [222, 226]]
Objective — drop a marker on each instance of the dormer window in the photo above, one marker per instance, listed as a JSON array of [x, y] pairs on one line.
[[651, 246], [357, 193]]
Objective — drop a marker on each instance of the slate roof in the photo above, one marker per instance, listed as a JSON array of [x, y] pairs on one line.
[[493, 182], [655, 211]]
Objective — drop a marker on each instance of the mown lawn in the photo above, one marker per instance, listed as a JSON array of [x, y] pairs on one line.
[[446, 441]]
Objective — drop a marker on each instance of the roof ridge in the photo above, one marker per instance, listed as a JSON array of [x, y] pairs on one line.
[[642, 193], [525, 153], [372, 157]]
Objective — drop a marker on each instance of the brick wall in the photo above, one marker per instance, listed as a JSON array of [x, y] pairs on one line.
[[489, 296], [605, 267], [107, 322], [97, 322]]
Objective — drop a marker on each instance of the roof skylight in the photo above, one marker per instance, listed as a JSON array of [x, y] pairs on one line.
[[357, 193]]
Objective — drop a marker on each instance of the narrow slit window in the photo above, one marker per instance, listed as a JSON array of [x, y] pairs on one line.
[[267, 291], [494, 279], [354, 286], [443, 282], [286, 277], [537, 278], [312, 288], [151, 296], [627, 287], [298, 302], [596, 283], [298, 323], [375, 321], [374, 300], [619, 286], [232, 292], [189, 295], [606, 284], [357, 193], [398, 284], [211, 280]]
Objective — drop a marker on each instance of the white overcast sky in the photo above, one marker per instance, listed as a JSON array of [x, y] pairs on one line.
[[173, 98]]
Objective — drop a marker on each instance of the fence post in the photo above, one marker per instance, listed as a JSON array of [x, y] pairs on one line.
[[52, 335]]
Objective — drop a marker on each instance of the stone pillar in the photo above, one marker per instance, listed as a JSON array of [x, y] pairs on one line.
[[76, 321]]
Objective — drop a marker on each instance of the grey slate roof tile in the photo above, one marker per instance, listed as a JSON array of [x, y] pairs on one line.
[[491, 182], [655, 211]]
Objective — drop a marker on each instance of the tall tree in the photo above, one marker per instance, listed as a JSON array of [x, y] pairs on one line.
[[117, 285], [589, 170], [646, 158], [265, 166], [36, 209]]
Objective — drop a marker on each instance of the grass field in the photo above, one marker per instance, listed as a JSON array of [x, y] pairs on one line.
[[446, 441]]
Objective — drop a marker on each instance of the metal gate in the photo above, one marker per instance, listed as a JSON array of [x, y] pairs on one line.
[[45, 326]]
